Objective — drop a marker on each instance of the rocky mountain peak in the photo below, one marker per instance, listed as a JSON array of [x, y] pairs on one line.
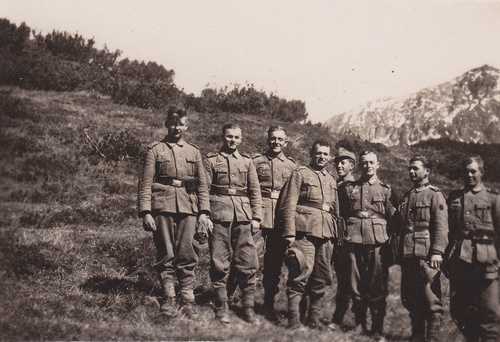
[[465, 109]]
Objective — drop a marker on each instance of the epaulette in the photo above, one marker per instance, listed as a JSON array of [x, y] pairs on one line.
[[246, 155], [434, 188], [493, 191], [256, 155], [385, 185], [153, 144], [291, 159], [211, 154], [195, 146]]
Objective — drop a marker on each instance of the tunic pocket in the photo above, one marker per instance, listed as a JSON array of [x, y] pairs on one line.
[[380, 230], [423, 210], [422, 243]]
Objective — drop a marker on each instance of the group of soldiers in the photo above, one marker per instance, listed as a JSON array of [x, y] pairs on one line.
[[314, 224]]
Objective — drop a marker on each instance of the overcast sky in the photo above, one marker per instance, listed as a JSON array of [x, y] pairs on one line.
[[334, 55]]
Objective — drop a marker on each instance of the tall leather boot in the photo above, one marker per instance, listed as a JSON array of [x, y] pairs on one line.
[[269, 312], [378, 315], [359, 308], [293, 310], [417, 329], [340, 311], [434, 326]]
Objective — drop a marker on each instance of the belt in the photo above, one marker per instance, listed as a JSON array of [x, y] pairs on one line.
[[479, 235], [273, 194], [228, 191], [365, 214], [176, 182], [320, 206]]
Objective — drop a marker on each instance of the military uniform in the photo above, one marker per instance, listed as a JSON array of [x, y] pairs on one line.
[[340, 263], [366, 207], [273, 172], [307, 210], [174, 189], [424, 232], [235, 200], [472, 262]]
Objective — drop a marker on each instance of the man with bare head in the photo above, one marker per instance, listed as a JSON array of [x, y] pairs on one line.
[[366, 207]]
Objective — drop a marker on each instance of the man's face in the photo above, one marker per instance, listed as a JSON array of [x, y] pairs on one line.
[[276, 141], [418, 172], [232, 138], [369, 165], [344, 167], [320, 156], [472, 175], [177, 127]]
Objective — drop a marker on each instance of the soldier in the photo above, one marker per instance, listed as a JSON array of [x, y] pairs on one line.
[[273, 170], [366, 207], [236, 205], [307, 210], [172, 195], [424, 237], [472, 256], [344, 163]]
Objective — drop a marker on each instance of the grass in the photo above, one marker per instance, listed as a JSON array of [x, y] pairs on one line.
[[76, 264]]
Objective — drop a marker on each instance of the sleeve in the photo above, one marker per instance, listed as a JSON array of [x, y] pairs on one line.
[[287, 204], [344, 207], [254, 192], [208, 172], [389, 206], [439, 224], [203, 191], [496, 221], [145, 182]]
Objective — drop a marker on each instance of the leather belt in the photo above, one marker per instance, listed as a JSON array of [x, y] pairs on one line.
[[273, 194], [365, 214], [228, 191], [321, 206], [175, 182], [479, 235]]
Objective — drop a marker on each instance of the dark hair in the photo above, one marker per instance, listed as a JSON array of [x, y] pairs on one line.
[[274, 129], [174, 114], [423, 159], [230, 126], [472, 159], [320, 142]]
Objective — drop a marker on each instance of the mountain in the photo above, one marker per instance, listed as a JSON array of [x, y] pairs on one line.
[[466, 109]]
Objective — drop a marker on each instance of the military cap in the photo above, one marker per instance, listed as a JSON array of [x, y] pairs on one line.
[[295, 260], [344, 153]]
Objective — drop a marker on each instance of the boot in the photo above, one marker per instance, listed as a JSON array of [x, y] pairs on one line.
[[248, 315], [268, 307], [168, 308], [360, 309], [222, 313], [417, 329], [313, 320], [293, 311], [378, 315], [434, 328], [340, 310]]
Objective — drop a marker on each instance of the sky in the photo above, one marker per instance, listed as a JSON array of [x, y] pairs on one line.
[[334, 55]]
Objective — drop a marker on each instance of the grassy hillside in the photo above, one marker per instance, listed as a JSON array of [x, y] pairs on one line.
[[75, 260]]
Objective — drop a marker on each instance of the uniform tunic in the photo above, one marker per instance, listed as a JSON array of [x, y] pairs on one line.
[[307, 210], [174, 189], [235, 200], [424, 216], [366, 207], [474, 217]]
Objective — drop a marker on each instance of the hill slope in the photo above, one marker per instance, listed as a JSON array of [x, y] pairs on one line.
[[466, 109]]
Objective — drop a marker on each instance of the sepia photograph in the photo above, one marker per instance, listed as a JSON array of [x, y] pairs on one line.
[[280, 170]]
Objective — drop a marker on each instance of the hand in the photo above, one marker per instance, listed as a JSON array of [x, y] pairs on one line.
[[436, 261], [204, 221], [148, 222], [255, 226], [289, 240]]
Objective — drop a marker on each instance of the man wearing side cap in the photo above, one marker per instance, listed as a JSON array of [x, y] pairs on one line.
[[344, 163], [172, 196], [307, 212], [367, 208]]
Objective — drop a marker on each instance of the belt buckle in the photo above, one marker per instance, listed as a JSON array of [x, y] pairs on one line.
[[275, 194], [177, 183], [231, 191], [364, 214], [325, 207]]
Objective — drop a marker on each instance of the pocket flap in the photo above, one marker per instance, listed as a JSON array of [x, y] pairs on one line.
[[423, 203], [421, 235]]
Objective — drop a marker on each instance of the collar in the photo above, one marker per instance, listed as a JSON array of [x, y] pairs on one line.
[[281, 156], [477, 188], [373, 180], [181, 142], [421, 187], [236, 154], [322, 171], [348, 178]]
